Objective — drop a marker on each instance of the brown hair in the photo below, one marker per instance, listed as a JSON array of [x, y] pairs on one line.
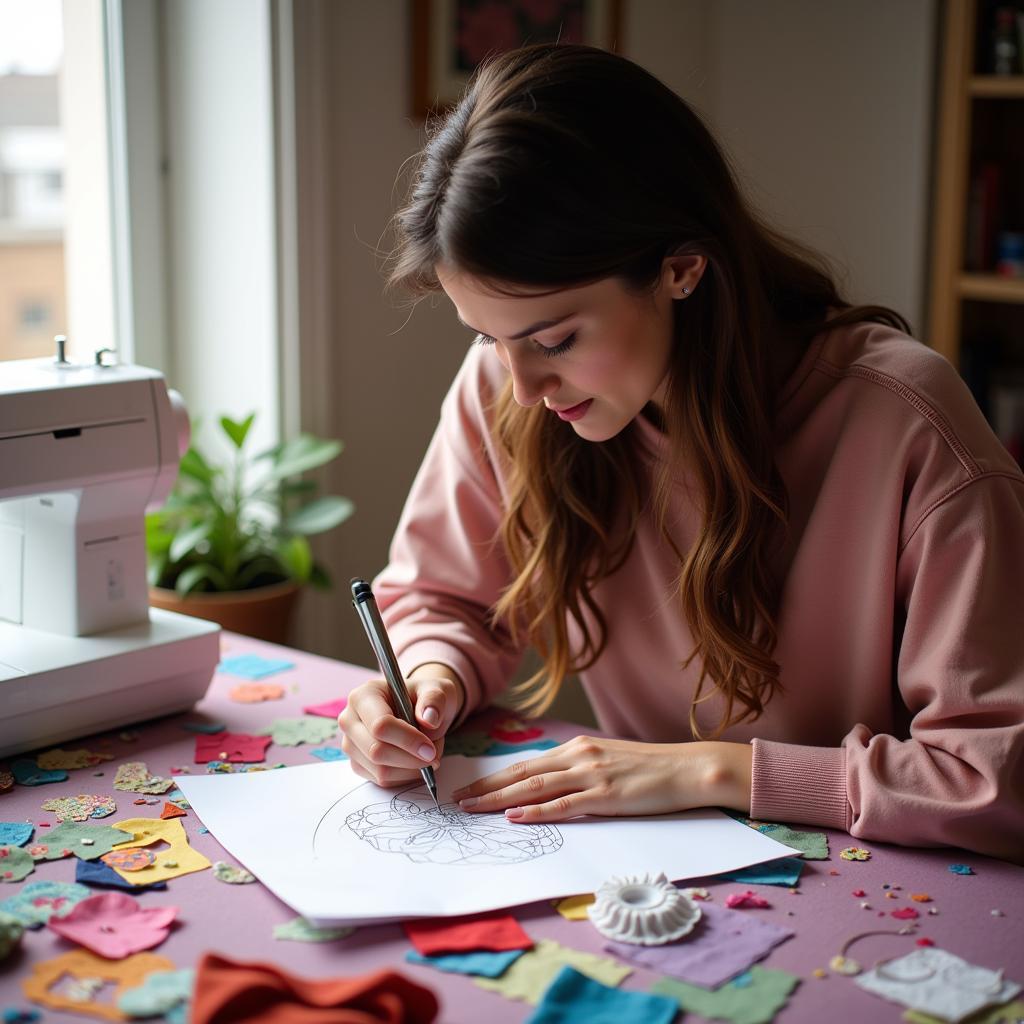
[[563, 165]]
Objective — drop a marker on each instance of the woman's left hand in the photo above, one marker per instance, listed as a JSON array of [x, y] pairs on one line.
[[591, 775]]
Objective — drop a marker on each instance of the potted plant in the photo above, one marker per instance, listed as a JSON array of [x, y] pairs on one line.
[[231, 544]]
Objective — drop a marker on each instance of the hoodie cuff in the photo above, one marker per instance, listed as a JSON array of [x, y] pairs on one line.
[[803, 785], [424, 652]]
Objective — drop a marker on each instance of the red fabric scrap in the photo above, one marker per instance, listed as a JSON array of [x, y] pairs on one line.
[[746, 899], [233, 992], [170, 811], [905, 914], [494, 932], [231, 746]]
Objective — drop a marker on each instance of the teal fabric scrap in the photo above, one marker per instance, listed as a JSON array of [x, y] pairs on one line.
[[574, 997], [514, 748], [778, 872], [252, 666], [479, 962], [34, 904], [205, 727], [330, 754], [28, 773], [813, 845], [159, 994], [14, 833], [961, 869]]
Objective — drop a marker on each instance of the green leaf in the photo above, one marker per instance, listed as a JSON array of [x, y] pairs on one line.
[[319, 515], [196, 574], [195, 466], [297, 558], [185, 542], [235, 430], [303, 454], [319, 578]]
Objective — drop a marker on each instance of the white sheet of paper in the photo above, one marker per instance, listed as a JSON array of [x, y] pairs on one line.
[[340, 850]]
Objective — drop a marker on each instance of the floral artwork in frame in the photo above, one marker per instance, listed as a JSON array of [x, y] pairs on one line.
[[450, 38]]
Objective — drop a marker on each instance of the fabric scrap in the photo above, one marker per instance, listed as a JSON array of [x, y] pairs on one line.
[[961, 869], [530, 975], [290, 732], [100, 875], [230, 746], [36, 902], [15, 833], [260, 993], [80, 965], [256, 693], [252, 666], [300, 930], [329, 753], [480, 963], [514, 731], [179, 859], [231, 874], [1012, 1011], [813, 845], [746, 899], [939, 983], [128, 860], [905, 914], [514, 748], [77, 838], [574, 908], [173, 811], [855, 853], [134, 777], [160, 993], [204, 727], [493, 932], [723, 944], [227, 768], [28, 773], [80, 807], [575, 997], [15, 864], [11, 931], [114, 925], [329, 709], [71, 759], [785, 871], [753, 1002]]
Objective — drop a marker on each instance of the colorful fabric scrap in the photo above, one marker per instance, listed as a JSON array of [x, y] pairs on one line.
[[855, 853], [256, 693], [330, 709], [785, 871], [161, 994], [300, 930], [71, 759], [574, 908], [261, 993], [493, 932], [77, 838], [80, 807], [28, 773], [231, 874], [514, 731], [134, 777], [514, 748], [15, 833], [575, 997], [329, 753], [36, 902], [290, 732], [480, 963], [100, 875], [961, 869], [114, 925], [252, 666], [753, 1002], [233, 747], [746, 899], [15, 864], [179, 859]]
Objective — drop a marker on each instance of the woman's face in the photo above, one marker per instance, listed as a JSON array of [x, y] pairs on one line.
[[594, 355]]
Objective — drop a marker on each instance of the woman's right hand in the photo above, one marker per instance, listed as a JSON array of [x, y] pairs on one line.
[[383, 747]]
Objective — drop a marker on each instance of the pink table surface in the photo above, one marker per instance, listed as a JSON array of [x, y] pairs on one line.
[[238, 920]]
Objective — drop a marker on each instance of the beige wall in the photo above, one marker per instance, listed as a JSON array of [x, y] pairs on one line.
[[30, 273], [826, 106]]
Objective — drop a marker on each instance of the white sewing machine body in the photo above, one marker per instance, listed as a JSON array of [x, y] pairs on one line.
[[84, 451]]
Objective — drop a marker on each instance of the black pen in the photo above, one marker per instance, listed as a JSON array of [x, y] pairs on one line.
[[366, 608]]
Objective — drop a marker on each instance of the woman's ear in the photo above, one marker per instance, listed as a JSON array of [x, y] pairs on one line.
[[681, 273]]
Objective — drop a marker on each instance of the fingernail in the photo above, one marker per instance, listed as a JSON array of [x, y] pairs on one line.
[[431, 717], [514, 812], [470, 801], [427, 752]]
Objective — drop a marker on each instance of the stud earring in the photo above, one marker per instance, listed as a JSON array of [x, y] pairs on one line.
[[686, 291]]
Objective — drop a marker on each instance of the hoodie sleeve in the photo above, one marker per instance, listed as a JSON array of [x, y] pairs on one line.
[[958, 780], [447, 565]]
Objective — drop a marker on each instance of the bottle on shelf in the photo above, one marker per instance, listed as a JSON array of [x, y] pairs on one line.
[[1005, 43]]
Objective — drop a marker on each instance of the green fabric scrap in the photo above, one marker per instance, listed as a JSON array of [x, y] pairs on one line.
[[15, 864], [755, 1002], [69, 838], [813, 845], [300, 930], [290, 732], [528, 978]]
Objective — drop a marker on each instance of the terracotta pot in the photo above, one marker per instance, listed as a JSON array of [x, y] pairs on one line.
[[264, 612]]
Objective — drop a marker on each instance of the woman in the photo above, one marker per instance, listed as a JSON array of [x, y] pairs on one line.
[[771, 532]]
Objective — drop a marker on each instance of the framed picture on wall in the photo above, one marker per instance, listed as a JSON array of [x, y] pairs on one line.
[[451, 37]]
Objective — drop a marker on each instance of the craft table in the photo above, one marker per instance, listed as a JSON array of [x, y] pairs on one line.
[[980, 916]]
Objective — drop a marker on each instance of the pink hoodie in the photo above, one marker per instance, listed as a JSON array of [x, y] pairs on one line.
[[901, 637]]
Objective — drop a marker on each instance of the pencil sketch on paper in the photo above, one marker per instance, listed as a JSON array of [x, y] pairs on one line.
[[411, 825]]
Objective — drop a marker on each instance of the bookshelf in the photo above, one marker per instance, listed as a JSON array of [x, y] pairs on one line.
[[976, 315]]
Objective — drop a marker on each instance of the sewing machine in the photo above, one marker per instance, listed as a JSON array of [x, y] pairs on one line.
[[85, 449]]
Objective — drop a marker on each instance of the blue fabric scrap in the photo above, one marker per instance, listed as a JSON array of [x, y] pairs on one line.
[[479, 962], [252, 666], [330, 754], [95, 872], [15, 833], [785, 871], [574, 997], [514, 748]]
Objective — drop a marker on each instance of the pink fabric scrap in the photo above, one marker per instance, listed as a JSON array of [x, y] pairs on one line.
[[114, 925], [746, 899], [331, 709], [237, 747], [905, 914]]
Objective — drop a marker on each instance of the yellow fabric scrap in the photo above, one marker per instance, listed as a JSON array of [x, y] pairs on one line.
[[530, 975], [990, 1015], [180, 859], [65, 759], [574, 908]]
